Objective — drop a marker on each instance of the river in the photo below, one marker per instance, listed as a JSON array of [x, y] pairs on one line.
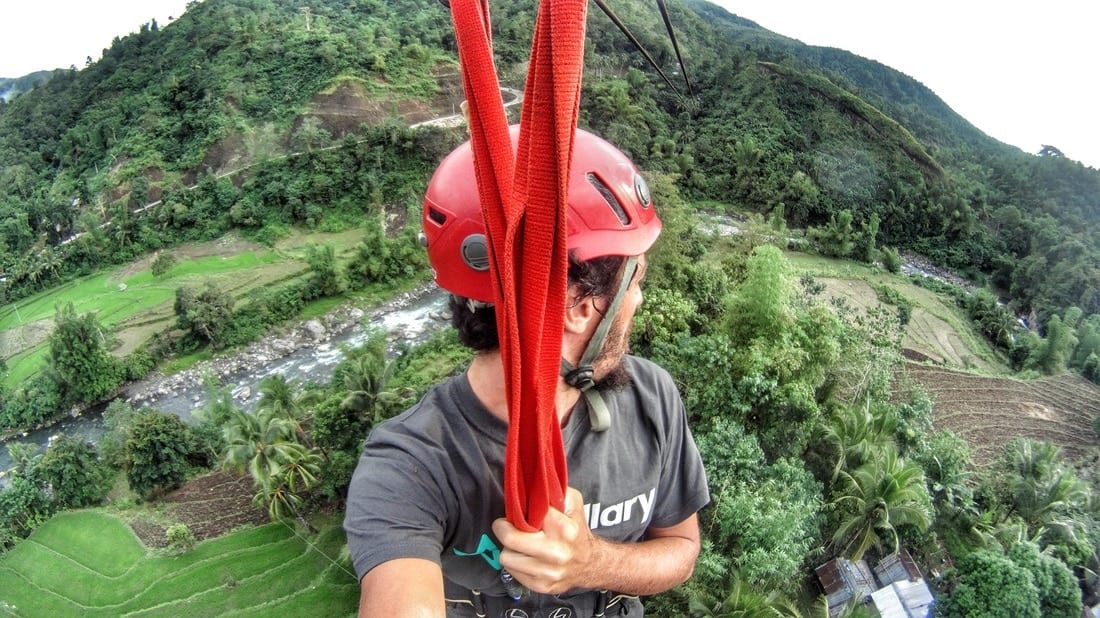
[[411, 318]]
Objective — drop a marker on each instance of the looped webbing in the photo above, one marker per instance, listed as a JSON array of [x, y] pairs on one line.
[[523, 202]]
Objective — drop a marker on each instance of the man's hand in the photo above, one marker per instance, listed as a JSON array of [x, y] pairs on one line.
[[565, 555], [562, 556]]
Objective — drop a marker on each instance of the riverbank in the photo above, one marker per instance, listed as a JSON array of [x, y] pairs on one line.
[[285, 341]]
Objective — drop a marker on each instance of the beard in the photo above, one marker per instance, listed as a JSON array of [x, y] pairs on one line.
[[609, 363]]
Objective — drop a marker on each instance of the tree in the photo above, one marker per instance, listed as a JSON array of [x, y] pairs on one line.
[[71, 468], [764, 518], [741, 601], [156, 454], [204, 314], [837, 238], [289, 400], [857, 435], [365, 375], [118, 419], [283, 494], [990, 584], [310, 135], [326, 278], [945, 461], [162, 263], [372, 256], [867, 241], [891, 261], [180, 538], [78, 357], [281, 469], [23, 506], [1059, 595], [1056, 349], [1034, 482], [781, 352], [877, 499]]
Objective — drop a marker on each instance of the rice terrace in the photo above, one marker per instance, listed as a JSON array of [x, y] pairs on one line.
[[988, 412], [96, 563]]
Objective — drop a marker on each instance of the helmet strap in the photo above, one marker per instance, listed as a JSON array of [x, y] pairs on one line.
[[581, 376]]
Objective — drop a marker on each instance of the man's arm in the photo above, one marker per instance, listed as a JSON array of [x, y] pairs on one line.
[[565, 554], [402, 588]]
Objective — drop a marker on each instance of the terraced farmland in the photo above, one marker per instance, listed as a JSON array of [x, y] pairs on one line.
[[90, 563], [988, 412]]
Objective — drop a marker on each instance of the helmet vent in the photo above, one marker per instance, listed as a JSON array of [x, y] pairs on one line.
[[612, 201], [436, 216]]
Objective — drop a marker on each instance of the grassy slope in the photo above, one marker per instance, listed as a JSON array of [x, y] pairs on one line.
[[145, 305], [90, 563], [936, 328]]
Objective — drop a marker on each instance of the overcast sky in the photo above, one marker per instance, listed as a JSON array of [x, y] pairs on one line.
[[1024, 73]]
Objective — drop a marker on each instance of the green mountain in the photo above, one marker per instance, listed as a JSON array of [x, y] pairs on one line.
[[13, 87], [182, 133]]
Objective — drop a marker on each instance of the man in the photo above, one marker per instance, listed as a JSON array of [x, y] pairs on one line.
[[425, 504]]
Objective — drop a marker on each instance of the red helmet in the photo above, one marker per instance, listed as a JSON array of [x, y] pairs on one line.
[[610, 213]]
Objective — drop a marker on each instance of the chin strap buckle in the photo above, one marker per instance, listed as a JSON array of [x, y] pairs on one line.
[[599, 416]]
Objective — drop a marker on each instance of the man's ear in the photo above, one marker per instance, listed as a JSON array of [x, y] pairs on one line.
[[580, 314]]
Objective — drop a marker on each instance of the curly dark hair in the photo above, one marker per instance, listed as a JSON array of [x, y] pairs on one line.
[[476, 323]]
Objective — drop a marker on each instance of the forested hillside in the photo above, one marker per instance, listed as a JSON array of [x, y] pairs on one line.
[[264, 118], [774, 122]]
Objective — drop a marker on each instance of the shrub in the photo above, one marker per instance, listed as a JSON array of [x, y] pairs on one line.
[[180, 538], [891, 261]]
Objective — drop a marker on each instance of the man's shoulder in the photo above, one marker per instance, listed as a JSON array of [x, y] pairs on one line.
[[652, 392], [642, 368], [440, 405], [648, 376]]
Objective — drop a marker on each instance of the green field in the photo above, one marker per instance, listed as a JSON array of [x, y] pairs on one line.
[[134, 305], [90, 563]]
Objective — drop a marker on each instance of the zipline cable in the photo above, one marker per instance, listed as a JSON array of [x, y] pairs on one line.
[[663, 8], [637, 44]]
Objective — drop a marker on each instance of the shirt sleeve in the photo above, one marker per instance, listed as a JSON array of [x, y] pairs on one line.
[[394, 507], [683, 481]]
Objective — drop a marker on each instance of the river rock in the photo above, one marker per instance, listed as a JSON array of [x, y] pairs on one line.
[[315, 329]]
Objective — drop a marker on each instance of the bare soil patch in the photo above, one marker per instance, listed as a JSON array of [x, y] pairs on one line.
[[28, 336], [989, 411], [209, 506]]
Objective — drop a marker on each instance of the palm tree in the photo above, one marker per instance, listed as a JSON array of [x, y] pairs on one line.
[[366, 377], [281, 468], [282, 494], [741, 601], [256, 443], [856, 434], [288, 400], [882, 495]]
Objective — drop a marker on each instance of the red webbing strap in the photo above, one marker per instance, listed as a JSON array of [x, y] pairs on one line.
[[524, 206]]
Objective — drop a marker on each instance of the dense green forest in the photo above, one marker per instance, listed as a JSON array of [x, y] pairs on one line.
[[219, 122]]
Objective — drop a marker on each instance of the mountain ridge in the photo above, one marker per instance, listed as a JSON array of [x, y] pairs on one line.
[[151, 115]]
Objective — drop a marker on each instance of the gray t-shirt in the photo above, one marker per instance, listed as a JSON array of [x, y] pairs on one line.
[[429, 482]]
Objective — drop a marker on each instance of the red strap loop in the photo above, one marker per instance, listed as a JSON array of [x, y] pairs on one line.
[[524, 204]]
